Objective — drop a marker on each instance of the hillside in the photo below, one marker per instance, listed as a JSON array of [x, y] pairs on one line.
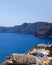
[[39, 29], [41, 54]]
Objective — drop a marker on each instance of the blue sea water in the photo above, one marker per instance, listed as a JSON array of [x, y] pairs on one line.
[[18, 43]]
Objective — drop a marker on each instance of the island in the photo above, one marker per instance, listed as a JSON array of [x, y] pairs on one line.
[[39, 29]]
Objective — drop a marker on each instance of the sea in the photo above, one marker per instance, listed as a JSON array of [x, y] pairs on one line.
[[18, 43]]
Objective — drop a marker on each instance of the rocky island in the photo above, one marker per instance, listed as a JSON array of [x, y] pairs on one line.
[[41, 54], [39, 29]]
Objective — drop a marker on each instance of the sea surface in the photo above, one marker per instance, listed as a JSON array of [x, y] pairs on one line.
[[18, 43]]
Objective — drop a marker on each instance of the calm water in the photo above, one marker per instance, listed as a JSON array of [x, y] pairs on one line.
[[18, 43]]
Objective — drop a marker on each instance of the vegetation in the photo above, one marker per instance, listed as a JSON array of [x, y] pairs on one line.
[[29, 50], [50, 53]]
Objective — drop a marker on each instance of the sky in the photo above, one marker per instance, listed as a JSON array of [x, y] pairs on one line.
[[16, 12]]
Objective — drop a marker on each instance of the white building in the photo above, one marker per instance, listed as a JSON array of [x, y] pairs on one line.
[[43, 53]]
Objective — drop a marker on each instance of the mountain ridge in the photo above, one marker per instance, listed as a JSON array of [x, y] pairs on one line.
[[39, 29]]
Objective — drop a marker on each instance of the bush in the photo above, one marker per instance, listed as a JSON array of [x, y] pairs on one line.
[[50, 53]]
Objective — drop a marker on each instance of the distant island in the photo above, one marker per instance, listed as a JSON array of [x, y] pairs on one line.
[[39, 29]]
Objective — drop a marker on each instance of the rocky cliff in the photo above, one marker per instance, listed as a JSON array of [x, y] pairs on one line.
[[39, 29]]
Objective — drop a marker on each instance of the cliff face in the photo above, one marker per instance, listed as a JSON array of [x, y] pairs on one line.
[[20, 60], [45, 30], [40, 29]]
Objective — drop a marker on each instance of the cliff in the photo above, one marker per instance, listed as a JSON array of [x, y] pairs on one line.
[[18, 59], [39, 55], [39, 29]]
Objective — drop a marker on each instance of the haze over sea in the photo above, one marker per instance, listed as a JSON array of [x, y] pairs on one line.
[[18, 43]]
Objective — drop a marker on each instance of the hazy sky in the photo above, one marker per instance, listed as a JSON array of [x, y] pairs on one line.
[[14, 12]]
